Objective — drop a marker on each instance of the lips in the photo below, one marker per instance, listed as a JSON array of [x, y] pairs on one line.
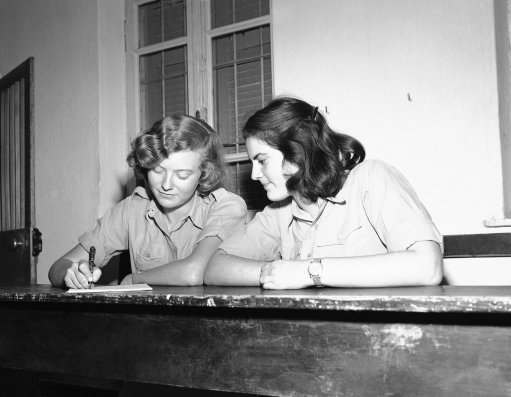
[[166, 194]]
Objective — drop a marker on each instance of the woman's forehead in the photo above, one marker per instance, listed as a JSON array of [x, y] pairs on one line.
[[183, 159]]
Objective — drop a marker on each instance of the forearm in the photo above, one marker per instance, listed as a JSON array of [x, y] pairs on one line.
[[180, 272], [404, 268], [187, 271], [225, 269]]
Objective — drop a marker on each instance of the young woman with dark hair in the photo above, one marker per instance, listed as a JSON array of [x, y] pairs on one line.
[[174, 222], [336, 220]]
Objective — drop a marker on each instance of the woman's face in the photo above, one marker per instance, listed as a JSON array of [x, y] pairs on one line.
[[174, 181], [269, 168]]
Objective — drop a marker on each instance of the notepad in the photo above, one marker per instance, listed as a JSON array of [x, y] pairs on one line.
[[111, 288]]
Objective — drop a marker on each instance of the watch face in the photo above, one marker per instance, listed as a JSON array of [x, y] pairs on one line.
[[315, 268]]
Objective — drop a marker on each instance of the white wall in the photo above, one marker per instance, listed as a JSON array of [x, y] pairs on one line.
[[75, 76], [415, 81]]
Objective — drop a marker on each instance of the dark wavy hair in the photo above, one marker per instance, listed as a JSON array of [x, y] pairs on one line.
[[302, 134], [173, 134]]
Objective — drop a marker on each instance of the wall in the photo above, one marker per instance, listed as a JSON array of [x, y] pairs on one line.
[[416, 81], [503, 34], [74, 77]]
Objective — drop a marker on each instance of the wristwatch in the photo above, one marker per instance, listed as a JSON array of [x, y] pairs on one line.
[[315, 269]]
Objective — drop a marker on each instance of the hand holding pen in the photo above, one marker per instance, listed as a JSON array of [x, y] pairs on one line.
[[83, 272]]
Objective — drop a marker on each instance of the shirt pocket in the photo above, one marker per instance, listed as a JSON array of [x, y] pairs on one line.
[[339, 237], [339, 243], [154, 251]]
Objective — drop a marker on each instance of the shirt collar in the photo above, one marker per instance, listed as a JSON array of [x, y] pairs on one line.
[[298, 214], [198, 212]]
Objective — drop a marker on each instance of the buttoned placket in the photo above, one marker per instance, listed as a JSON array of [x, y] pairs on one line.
[[153, 215]]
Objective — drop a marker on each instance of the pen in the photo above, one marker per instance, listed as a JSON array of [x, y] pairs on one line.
[[92, 254]]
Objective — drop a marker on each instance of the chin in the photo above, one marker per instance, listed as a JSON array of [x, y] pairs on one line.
[[277, 196]]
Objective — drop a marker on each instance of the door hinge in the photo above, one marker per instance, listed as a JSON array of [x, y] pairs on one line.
[[37, 242]]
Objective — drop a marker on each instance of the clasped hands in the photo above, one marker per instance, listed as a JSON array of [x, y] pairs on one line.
[[283, 274]]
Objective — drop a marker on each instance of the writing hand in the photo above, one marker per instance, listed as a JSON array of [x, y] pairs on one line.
[[78, 275]]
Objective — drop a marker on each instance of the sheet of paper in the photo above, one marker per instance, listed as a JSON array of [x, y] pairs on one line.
[[112, 288]]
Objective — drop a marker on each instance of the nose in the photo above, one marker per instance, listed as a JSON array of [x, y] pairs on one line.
[[166, 183], [256, 171]]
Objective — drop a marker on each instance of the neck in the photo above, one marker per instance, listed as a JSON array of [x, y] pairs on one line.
[[178, 213], [312, 208]]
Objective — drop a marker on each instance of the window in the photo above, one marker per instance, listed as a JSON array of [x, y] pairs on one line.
[[209, 58]]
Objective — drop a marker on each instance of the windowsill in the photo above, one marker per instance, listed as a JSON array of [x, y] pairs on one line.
[[494, 222]]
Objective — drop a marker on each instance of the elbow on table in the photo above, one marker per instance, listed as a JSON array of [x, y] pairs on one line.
[[193, 278], [432, 265], [211, 274]]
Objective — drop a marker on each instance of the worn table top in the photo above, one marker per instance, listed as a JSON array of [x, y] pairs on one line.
[[441, 299]]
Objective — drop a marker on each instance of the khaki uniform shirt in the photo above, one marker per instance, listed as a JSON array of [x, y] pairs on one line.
[[375, 212], [136, 224]]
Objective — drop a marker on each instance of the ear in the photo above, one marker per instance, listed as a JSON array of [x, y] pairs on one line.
[[289, 168]]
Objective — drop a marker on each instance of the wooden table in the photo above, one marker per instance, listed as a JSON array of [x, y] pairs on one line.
[[434, 341]]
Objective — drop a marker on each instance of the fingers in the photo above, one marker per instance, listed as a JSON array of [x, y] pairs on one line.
[[269, 276], [78, 275], [84, 269], [266, 273], [128, 279], [74, 278], [96, 274]]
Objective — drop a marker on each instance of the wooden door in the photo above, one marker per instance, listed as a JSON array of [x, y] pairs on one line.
[[18, 251]]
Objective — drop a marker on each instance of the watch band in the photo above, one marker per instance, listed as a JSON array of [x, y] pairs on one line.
[[315, 269]]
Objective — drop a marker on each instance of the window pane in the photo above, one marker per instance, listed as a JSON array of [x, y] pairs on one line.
[[156, 26], [151, 101], [221, 13], [267, 86], [242, 85], [226, 12], [175, 84], [247, 9], [163, 85], [225, 109], [174, 19], [249, 90], [149, 23], [223, 50], [248, 44], [238, 180]]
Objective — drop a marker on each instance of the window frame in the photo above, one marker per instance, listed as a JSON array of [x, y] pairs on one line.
[[199, 43]]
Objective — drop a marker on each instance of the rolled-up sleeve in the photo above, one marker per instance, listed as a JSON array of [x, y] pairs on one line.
[[395, 210], [110, 235], [227, 215], [259, 239]]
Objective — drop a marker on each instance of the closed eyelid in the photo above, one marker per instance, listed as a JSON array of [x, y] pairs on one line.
[[260, 157]]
